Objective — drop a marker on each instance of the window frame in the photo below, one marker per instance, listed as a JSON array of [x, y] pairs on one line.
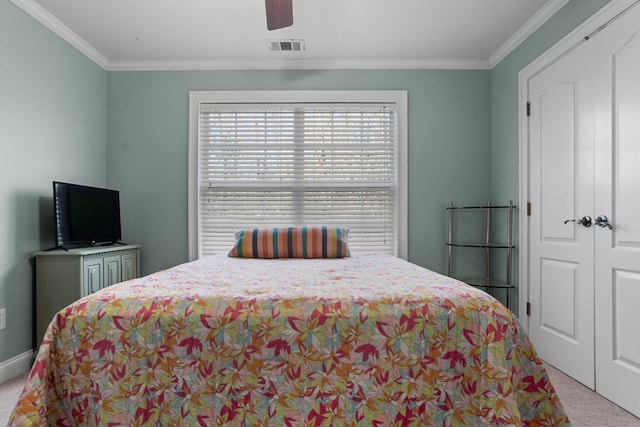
[[397, 97]]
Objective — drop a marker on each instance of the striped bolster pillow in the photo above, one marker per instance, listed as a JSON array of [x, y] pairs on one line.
[[291, 242]]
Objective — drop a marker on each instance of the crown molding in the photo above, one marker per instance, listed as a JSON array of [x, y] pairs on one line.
[[52, 23], [298, 64], [535, 22]]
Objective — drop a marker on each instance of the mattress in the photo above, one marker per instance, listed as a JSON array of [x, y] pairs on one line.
[[367, 340]]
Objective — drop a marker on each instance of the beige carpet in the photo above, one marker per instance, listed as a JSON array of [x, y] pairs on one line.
[[584, 407], [9, 393]]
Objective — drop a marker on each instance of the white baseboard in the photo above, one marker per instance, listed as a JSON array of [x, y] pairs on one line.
[[16, 366]]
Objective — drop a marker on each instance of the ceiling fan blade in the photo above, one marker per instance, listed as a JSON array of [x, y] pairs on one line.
[[279, 14]]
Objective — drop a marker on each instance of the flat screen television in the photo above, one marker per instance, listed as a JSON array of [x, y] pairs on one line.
[[85, 215]]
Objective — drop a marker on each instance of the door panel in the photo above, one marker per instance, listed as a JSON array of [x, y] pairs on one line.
[[561, 323], [557, 158], [626, 294], [626, 132], [558, 286], [617, 195]]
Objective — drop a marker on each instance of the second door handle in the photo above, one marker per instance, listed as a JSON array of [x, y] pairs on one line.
[[603, 222], [584, 221]]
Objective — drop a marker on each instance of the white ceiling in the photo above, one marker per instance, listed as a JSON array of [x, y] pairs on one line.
[[232, 34]]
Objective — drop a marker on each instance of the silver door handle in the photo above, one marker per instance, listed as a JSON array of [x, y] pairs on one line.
[[603, 222], [584, 221]]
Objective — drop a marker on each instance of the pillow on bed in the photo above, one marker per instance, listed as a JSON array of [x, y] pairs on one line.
[[291, 242]]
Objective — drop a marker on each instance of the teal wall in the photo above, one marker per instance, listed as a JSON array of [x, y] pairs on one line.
[[449, 128], [52, 126], [504, 93], [129, 130]]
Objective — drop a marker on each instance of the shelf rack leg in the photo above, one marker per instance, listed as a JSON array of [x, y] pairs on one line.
[[450, 240], [509, 250], [487, 240]]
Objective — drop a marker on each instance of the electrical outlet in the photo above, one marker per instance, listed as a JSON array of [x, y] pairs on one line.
[[3, 318]]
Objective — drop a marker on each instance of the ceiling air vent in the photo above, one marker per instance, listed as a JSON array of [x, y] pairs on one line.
[[290, 45]]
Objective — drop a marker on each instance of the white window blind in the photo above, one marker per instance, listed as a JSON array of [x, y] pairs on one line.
[[280, 164]]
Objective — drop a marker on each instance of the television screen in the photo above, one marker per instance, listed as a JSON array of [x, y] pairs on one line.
[[85, 215]]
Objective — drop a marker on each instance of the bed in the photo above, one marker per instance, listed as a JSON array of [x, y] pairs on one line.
[[366, 340]]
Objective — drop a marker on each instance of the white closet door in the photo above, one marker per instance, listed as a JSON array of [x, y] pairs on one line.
[[561, 293], [617, 195]]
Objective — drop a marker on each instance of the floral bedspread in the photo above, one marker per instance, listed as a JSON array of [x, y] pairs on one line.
[[370, 340]]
